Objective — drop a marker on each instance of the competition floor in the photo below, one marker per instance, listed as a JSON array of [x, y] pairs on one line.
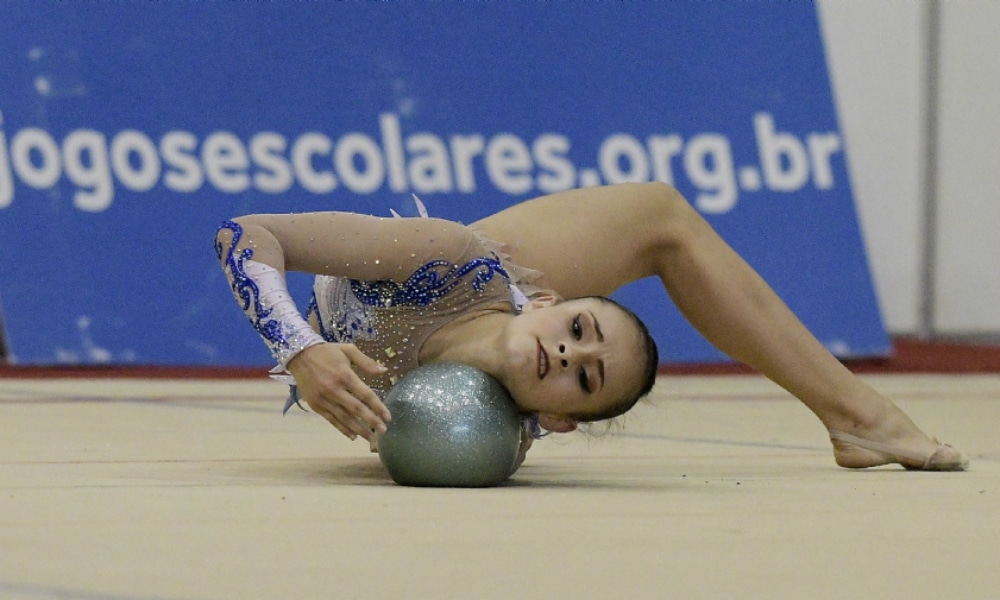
[[723, 486]]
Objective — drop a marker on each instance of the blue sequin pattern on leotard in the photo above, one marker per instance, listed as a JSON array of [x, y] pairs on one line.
[[430, 282], [346, 303]]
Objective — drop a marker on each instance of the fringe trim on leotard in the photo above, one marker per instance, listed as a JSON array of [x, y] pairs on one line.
[[522, 279]]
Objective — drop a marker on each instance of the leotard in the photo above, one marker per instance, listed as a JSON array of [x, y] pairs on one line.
[[389, 320]]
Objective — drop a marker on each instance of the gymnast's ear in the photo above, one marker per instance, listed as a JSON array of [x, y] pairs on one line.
[[556, 424]]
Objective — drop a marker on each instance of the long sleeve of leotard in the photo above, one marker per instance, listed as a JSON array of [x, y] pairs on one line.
[[255, 251]]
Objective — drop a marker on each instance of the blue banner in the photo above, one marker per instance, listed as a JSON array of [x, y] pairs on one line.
[[129, 131]]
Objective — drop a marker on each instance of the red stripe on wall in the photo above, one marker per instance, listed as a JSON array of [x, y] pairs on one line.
[[910, 356]]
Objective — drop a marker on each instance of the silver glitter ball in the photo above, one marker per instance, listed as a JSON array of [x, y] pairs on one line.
[[452, 426]]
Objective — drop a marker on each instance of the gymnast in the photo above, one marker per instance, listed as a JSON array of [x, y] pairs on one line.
[[522, 295]]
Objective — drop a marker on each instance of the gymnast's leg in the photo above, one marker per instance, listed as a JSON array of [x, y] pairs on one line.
[[594, 240]]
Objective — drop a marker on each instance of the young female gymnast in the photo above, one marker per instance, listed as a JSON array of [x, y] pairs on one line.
[[392, 294], [581, 243]]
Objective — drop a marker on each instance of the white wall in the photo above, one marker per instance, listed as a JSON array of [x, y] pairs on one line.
[[876, 61], [877, 55], [967, 295]]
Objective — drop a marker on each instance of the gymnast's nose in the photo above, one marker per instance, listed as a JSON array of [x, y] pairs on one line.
[[571, 355]]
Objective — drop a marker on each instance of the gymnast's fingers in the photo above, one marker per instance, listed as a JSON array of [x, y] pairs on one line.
[[357, 416], [323, 409], [339, 425], [346, 423], [369, 399]]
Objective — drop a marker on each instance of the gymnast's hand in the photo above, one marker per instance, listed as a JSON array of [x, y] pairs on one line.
[[328, 383]]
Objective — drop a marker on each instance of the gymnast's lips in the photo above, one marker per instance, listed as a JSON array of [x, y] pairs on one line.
[[543, 361]]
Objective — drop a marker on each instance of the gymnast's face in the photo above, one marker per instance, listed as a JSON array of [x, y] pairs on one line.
[[577, 357]]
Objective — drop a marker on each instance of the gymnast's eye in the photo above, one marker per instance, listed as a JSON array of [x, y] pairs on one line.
[[584, 380], [577, 328]]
